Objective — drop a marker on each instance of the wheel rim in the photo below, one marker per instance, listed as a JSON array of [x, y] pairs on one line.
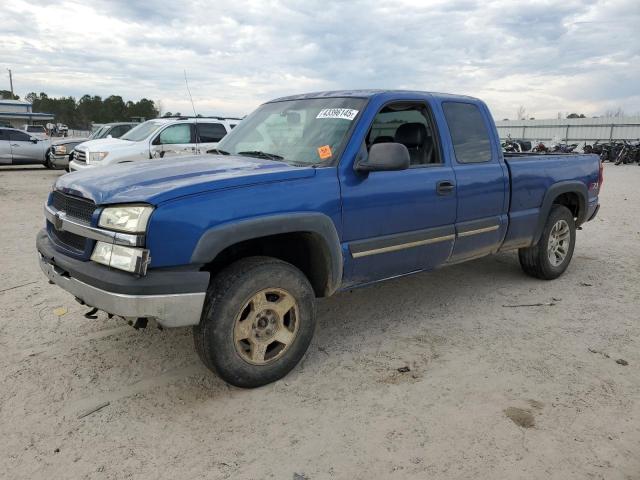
[[559, 239], [266, 326]]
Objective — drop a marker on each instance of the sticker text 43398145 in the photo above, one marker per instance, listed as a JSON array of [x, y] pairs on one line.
[[342, 113]]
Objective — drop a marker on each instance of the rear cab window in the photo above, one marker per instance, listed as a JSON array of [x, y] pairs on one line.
[[469, 133], [210, 132]]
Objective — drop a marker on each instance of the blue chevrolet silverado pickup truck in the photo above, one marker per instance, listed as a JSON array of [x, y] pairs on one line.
[[310, 195]]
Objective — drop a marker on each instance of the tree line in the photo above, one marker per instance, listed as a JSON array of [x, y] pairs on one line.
[[89, 109]]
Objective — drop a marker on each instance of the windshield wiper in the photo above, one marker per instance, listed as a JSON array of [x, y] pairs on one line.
[[259, 154], [218, 151]]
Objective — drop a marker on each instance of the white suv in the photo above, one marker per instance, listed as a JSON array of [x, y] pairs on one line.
[[158, 138]]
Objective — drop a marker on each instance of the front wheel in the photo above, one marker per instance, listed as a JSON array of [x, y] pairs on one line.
[[550, 257], [47, 161], [257, 322]]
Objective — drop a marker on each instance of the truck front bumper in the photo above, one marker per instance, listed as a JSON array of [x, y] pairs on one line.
[[173, 297], [59, 161], [74, 166]]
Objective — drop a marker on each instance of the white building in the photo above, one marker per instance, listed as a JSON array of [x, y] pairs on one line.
[[15, 113], [572, 130]]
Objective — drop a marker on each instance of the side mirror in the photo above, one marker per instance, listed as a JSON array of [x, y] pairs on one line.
[[34, 140], [384, 157], [109, 136]]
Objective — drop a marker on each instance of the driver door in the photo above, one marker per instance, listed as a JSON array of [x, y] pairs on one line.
[[174, 141], [24, 151], [396, 222]]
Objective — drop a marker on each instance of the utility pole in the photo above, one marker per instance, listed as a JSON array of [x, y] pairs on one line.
[[11, 83]]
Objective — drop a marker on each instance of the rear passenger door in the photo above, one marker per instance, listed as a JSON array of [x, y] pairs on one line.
[[481, 181], [209, 134], [5, 147]]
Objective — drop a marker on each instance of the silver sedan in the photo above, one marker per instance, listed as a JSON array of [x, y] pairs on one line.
[[20, 148]]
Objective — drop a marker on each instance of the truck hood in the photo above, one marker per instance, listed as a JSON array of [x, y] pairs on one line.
[[159, 180], [68, 141], [106, 144]]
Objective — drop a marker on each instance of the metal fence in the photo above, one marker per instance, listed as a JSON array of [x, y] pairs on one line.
[[574, 130]]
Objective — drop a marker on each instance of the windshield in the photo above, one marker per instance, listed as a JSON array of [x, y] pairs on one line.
[[142, 131], [306, 132]]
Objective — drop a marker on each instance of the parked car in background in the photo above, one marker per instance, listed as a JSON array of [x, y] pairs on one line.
[[309, 195], [36, 131], [18, 147], [61, 152], [62, 129], [160, 138]]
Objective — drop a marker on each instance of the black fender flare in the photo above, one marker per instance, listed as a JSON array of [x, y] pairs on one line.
[[554, 191], [216, 239]]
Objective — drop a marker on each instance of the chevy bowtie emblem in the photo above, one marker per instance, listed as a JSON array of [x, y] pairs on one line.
[[57, 220]]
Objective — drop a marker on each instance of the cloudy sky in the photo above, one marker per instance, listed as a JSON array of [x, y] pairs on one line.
[[549, 56]]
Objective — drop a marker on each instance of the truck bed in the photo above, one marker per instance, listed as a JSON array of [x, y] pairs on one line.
[[532, 174]]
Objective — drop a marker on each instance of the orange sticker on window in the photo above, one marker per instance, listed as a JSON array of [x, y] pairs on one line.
[[324, 152]]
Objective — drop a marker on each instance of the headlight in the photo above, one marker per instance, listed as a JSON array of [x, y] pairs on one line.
[[126, 218], [60, 149], [97, 156], [134, 260]]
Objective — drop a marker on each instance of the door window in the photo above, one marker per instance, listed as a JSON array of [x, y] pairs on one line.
[[175, 134], [407, 123], [19, 136], [211, 132], [4, 134], [469, 133]]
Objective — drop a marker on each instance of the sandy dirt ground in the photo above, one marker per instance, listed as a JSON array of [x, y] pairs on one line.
[[492, 391]]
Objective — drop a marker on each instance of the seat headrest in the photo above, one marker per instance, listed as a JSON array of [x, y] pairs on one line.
[[382, 139], [411, 134]]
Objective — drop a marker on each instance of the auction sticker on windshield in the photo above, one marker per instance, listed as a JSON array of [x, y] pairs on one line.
[[324, 152], [342, 113]]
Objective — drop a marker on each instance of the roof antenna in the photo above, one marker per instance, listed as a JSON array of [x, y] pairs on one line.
[[197, 150]]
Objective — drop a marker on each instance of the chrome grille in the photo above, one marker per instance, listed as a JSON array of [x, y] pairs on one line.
[[68, 239], [80, 156], [75, 207]]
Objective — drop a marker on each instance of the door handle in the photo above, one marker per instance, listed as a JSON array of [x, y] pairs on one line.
[[15, 144], [445, 187]]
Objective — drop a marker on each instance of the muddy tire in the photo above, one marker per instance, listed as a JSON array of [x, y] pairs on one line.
[[257, 321], [550, 257]]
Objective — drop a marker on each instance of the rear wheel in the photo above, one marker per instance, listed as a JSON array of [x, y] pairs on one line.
[[550, 257], [257, 323]]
